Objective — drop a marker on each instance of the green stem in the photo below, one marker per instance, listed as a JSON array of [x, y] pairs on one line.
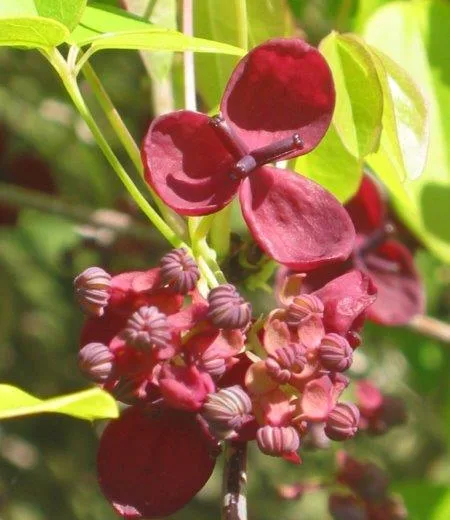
[[121, 130], [220, 232], [69, 81], [242, 23]]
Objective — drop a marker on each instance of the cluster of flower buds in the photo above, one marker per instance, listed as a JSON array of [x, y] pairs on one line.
[[180, 361], [366, 496], [156, 344], [378, 412]]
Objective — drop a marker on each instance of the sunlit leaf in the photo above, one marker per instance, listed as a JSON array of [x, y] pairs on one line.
[[31, 32], [87, 404], [66, 12], [425, 500], [16, 8], [359, 98], [415, 35], [332, 166]]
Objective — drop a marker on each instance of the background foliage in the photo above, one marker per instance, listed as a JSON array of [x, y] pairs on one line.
[[47, 462]]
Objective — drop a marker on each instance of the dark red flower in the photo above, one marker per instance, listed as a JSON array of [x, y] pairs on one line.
[[388, 262], [151, 464], [277, 105]]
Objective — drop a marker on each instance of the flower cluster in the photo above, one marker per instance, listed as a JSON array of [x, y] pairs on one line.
[[386, 260], [179, 361], [277, 105]]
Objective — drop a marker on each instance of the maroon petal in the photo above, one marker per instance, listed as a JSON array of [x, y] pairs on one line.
[[187, 164], [346, 300], [294, 220], [281, 87], [367, 208], [152, 465], [400, 291]]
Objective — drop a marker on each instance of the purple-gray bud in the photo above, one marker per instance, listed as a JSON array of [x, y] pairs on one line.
[[147, 328], [342, 422], [179, 271], [277, 440], [303, 308], [335, 353], [96, 362], [227, 308], [227, 410], [92, 290], [285, 361]]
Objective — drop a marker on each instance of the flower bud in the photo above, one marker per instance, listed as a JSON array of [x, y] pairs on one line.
[[147, 328], [227, 410], [227, 309], [335, 353], [179, 271], [96, 362], [277, 440], [342, 422], [285, 361], [92, 290], [302, 308]]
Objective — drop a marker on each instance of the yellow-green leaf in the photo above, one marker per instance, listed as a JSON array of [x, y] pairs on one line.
[[31, 32], [359, 98], [87, 404]]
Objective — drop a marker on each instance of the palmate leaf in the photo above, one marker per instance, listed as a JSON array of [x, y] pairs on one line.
[[87, 404], [415, 35]]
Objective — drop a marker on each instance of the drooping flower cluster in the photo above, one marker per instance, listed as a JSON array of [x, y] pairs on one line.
[[386, 260], [179, 360], [277, 105]]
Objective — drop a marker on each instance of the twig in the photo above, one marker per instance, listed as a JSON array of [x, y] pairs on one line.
[[234, 501], [120, 223], [432, 327]]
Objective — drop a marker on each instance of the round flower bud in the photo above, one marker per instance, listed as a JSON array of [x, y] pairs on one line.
[[92, 290], [277, 440], [285, 361], [335, 353], [227, 410], [147, 328], [342, 422], [302, 308], [179, 271], [96, 362], [227, 309]]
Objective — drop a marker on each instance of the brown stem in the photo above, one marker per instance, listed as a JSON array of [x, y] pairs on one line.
[[234, 485], [431, 327]]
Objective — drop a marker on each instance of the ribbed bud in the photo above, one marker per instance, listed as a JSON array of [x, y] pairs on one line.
[[335, 353], [227, 410], [227, 308], [92, 290], [277, 440], [302, 308], [211, 363], [342, 422], [179, 271], [96, 362], [147, 328], [285, 361]]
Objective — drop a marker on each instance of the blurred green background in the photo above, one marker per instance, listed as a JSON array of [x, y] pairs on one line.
[[57, 192]]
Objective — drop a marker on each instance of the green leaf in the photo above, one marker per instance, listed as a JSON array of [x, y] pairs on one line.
[[332, 166], [109, 28], [415, 34], [67, 12], [16, 8], [87, 404], [31, 32], [359, 99], [425, 500]]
